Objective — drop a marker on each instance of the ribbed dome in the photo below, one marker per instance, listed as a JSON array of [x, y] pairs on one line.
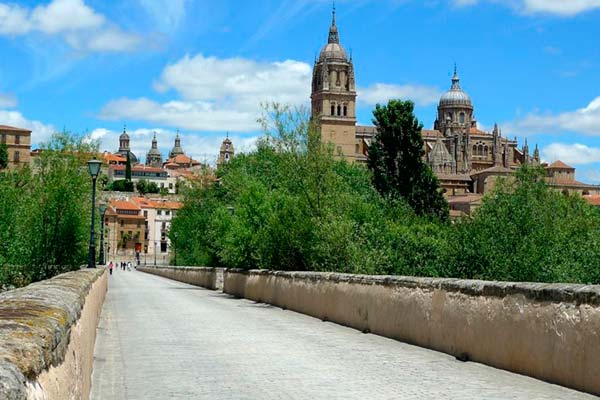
[[455, 96], [333, 51]]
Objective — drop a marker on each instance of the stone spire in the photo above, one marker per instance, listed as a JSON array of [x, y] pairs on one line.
[[154, 158], [536, 155], [177, 150], [526, 152], [440, 159], [334, 36]]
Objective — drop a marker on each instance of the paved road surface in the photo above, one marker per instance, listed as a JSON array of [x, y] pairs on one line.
[[161, 339]]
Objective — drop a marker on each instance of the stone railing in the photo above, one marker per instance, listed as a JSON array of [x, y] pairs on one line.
[[210, 278], [547, 331], [47, 335]]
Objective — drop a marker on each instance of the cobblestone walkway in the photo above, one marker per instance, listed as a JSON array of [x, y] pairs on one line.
[[160, 339]]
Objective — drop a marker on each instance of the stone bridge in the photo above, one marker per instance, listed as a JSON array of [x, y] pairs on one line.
[[199, 333]]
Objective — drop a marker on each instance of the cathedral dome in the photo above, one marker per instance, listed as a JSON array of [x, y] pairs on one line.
[[333, 51], [455, 96]]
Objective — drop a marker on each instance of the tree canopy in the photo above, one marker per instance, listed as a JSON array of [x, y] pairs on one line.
[[396, 160]]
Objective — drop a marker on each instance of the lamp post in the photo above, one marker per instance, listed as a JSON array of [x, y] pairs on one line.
[[102, 208], [155, 253], [94, 169], [175, 247]]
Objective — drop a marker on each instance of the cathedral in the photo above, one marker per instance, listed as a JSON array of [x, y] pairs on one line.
[[466, 159]]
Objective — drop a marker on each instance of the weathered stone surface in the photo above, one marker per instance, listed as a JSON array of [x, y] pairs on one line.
[[35, 324]]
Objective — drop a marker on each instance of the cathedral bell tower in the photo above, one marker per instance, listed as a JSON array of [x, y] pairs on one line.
[[333, 96]]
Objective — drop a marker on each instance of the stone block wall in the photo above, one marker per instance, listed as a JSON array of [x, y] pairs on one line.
[[547, 331], [47, 336], [198, 276]]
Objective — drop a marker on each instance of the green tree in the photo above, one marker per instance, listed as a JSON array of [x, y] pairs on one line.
[[46, 229], [3, 156], [525, 231], [396, 160], [128, 168], [142, 186]]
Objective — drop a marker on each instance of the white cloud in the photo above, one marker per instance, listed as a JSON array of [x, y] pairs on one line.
[[217, 94], [563, 8], [237, 80], [575, 153], [166, 14], [185, 115], [82, 27], [584, 120], [381, 93], [560, 7], [204, 148], [592, 176], [7, 101], [40, 132], [65, 15]]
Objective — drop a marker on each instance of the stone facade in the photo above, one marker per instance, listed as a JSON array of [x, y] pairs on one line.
[[226, 152], [154, 158], [467, 160], [18, 142]]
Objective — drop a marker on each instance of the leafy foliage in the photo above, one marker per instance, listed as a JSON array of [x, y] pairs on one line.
[[44, 213], [128, 168], [122, 185], [396, 159], [3, 155], [291, 205], [143, 186]]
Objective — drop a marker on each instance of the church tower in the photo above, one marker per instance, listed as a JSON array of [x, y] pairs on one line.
[[226, 152], [154, 158], [176, 150], [333, 96]]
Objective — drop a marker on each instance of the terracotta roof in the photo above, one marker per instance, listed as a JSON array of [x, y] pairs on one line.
[[494, 169], [430, 132], [593, 199], [137, 168], [454, 177], [559, 165], [162, 204], [124, 205], [12, 128], [567, 182], [476, 131], [182, 159], [114, 157]]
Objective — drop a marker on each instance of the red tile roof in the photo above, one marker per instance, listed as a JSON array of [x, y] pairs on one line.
[[559, 165], [137, 168], [124, 205], [12, 128], [593, 199]]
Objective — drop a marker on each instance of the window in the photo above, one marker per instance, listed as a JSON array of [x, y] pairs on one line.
[[122, 222], [17, 158], [339, 110], [162, 185], [167, 212], [170, 186], [17, 139], [227, 156], [462, 117], [145, 213], [158, 212], [345, 111], [333, 109], [163, 247]]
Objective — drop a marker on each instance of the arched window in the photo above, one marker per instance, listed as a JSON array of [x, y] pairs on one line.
[[485, 151], [339, 110], [462, 118], [345, 111], [333, 109], [474, 150], [449, 116]]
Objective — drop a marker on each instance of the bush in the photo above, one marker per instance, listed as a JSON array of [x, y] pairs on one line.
[[122, 185]]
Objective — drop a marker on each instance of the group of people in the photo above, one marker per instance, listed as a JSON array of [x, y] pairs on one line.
[[124, 265]]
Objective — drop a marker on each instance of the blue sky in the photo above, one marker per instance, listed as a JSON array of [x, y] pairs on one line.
[[532, 66]]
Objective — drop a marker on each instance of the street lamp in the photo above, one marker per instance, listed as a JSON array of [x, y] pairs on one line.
[[175, 247], [102, 209], [94, 169]]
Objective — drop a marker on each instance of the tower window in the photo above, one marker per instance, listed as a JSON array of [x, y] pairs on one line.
[[333, 109], [339, 110], [17, 158], [17, 139], [345, 111], [462, 117]]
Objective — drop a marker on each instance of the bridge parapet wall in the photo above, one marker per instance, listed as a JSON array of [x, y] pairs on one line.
[[547, 331], [47, 336], [210, 278]]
